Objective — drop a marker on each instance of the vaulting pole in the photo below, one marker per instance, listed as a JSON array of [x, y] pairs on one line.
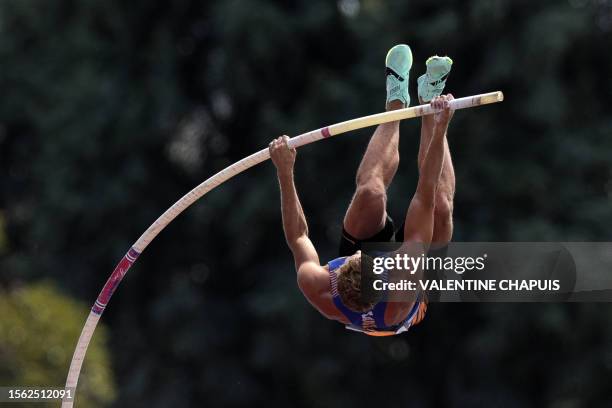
[[220, 178]]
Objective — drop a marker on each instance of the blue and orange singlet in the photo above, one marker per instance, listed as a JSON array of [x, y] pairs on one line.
[[372, 322]]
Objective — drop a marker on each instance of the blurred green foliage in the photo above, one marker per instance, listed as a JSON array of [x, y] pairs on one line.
[[3, 238], [112, 110], [38, 331]]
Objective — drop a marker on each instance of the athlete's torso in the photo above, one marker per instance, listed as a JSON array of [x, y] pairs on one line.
[[384, 316]]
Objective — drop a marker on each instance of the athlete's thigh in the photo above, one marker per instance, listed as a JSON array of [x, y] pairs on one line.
[[366, 214]]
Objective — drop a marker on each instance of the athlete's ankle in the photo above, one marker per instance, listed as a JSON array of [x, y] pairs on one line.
[[395, 105]]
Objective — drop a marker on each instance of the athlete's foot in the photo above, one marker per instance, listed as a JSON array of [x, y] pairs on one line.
[[398, 64], [432, 82]]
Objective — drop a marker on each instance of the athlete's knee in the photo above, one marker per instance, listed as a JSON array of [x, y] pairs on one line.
[[371, 191]]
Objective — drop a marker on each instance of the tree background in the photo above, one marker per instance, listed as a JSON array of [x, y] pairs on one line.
[[112, 110]]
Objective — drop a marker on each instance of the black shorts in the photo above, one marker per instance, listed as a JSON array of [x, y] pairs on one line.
[[349, 245]]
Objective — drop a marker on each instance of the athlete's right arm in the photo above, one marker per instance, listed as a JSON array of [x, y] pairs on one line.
[[419, 222], [419, 218]]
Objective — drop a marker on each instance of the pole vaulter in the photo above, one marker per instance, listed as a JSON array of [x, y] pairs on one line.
[[218, 179]]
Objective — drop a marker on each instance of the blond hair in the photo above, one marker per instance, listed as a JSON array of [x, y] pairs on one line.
[[349, 286]]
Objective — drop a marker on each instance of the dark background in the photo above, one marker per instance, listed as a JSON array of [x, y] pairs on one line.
[[112, 110]]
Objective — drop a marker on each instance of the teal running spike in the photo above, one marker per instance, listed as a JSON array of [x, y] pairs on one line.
[[398, 63], [432, 82]]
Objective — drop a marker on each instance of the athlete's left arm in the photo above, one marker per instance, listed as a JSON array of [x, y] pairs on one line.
[[294, 220]]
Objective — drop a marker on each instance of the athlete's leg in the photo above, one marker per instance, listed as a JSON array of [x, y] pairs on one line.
[[432, 84], [367, 212]]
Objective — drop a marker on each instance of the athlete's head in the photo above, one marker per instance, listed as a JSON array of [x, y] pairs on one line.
[[349, 284]]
